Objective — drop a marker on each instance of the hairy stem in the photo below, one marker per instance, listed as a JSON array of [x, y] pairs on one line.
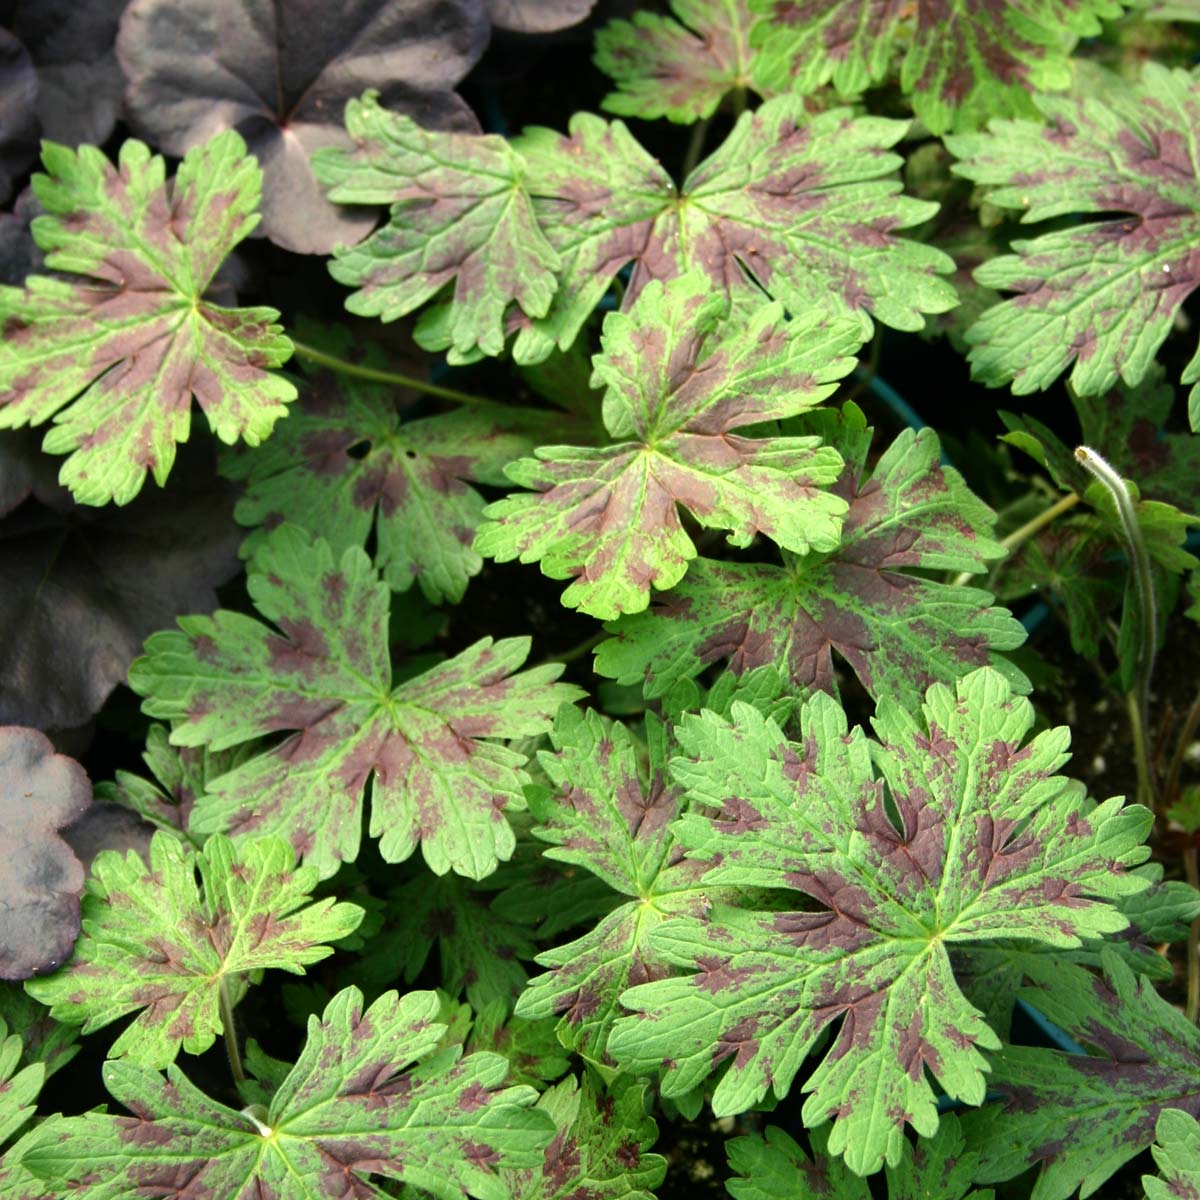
[[1190, 724], [695, 147], [225, 1007], [1023, 533], [343, 367], [1139, 561]]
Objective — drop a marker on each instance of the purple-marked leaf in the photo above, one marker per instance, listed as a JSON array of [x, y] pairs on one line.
[[79, 83], [1176, 1153], [599, 1147], [1083, 1115], [805, 207], [158, 944], [459, 212], [18, 1088], [681, 379], [18, 121], [81, 588], [771, 1166], [44, 1040], [966, 60], [677, 67], [435, 746], [348, 469], [40, 878], [280, 72], [899, 632], [479, 951], [116, 357], [538, 16], [606, 815], [1101, 294], [353, 1105], [534, 1053], [977, 839]]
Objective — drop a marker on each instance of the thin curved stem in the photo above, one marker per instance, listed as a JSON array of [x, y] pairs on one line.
[[343, 367], [1193, 941], [695, 147], [1024, 532], [225, 1008]]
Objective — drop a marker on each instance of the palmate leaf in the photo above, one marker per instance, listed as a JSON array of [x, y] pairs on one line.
[[966, 60], [1102, 294], [1176, 1152], [1081, 1116], [974, 839], [681, 379], [157, 944], [607, 816], [678, 67], [119, 354], [347, 468], [434, 744], [898, 631], [19, 1085], [354, 1104]]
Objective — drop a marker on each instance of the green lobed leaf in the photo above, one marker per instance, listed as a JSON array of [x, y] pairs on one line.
[[434, 746], [354, 1104], [535, 1055], [679, 67], [964, 61], [156, 944], [119, 354], [19, 1085], [898, 631], [680, 381], [1101, 294], [459, 213], [1177, 1154], [974, 839]]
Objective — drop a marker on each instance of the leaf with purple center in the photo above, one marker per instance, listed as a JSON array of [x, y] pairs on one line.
[[371, 1094], [434, 745], [116, 356], [1102, 294], [681, 379], [898, 631], [1176, 1153], [964, 62], [964, 837], [679, 67], [157, 944]]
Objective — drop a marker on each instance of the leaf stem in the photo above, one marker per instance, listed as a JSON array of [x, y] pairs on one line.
[[225, 1007], [1190, 724], [578, 650], [343, 367], [1193, 939], [1024, 532], [695, 147], [1139, 560]]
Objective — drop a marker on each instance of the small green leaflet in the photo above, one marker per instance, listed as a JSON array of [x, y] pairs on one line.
[[1177, 1153], [1102, 294], [354, 1104], [127, 347], [345, 467], [681, 379], [610, 818], [434, 744], [19, 1086], [965, 61], [899, 632], [977, 839], [1083, 1116], [771, 1166], [535, 1055], [156, 944], [677, 67], [598, 1151], [460, 212]]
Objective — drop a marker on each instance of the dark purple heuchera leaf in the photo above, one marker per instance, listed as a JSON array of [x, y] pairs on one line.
[[678, 69], [116, 348], [1083, 1115], [966, 60], [435, 746], [40, 877], [353, 1105], [280, 72], [681, 380], [1102, 294], [82, 588], [538, 16], [975, 839], [899, 632], [18, 122], [19, 253]]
